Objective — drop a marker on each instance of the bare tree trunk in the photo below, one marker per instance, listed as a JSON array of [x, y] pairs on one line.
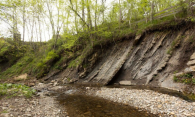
[[51, 19], [40, 32], [76, 25], [36, 29], [24, 21], [89, 22], [152, 11], [189, 9], [32, 31], [130, 15], [89, 14], [83, 10], [120, 14], [96, 15], [103, 9], [83, 20]]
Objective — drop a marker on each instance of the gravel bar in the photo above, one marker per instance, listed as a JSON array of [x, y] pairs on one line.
[[151, 101]]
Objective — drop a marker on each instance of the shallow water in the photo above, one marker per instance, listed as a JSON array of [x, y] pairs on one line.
[[88, 106]]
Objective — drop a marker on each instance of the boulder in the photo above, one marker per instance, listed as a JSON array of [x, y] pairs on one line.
[[192, 68], [137, 38], [192, 62], [21, 77], [125, 83], [193, 56]]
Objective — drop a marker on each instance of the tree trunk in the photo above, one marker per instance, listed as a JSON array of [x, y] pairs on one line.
[[89, 14], [96, 15], [51, 19], [189, 9], [76, 24], [120, 14], [24, 22], [40, 32], [103, 10], [89, 22], [152, 11], [83, 10]]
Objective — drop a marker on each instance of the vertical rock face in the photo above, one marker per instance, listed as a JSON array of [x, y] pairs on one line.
[[107, 68], [147, 59]]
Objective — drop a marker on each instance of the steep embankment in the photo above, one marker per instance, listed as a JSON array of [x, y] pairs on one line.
[[151, 58]]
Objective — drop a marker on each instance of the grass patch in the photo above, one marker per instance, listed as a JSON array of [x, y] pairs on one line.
[[4, 111], [12, 90]]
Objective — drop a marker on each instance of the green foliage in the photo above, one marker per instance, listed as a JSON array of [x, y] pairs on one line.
[[175, 72], [4, 111], [75, 63], [175, 78], [12, 90], [193, 80], [186, 78], [190, 96]]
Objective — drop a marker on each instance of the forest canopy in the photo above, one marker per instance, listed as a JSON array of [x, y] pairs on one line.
[[41, 20]]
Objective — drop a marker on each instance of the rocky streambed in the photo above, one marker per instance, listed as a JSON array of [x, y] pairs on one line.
[[80, 101]]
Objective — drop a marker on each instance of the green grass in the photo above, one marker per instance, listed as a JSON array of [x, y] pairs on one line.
[[12, 90], [4, 111]]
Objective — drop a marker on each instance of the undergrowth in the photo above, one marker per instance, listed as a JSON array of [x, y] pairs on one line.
[[12, 90], [186, 78]]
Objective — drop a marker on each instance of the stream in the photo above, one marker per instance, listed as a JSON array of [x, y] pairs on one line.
[[78, 104]]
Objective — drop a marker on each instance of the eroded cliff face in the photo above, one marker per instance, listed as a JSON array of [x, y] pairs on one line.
[[151, 58]]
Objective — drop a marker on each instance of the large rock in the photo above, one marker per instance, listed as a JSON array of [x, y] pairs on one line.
[[192, 68], [193, 56], [125, 83], [137, 38], [21, 77], [192, 62]]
